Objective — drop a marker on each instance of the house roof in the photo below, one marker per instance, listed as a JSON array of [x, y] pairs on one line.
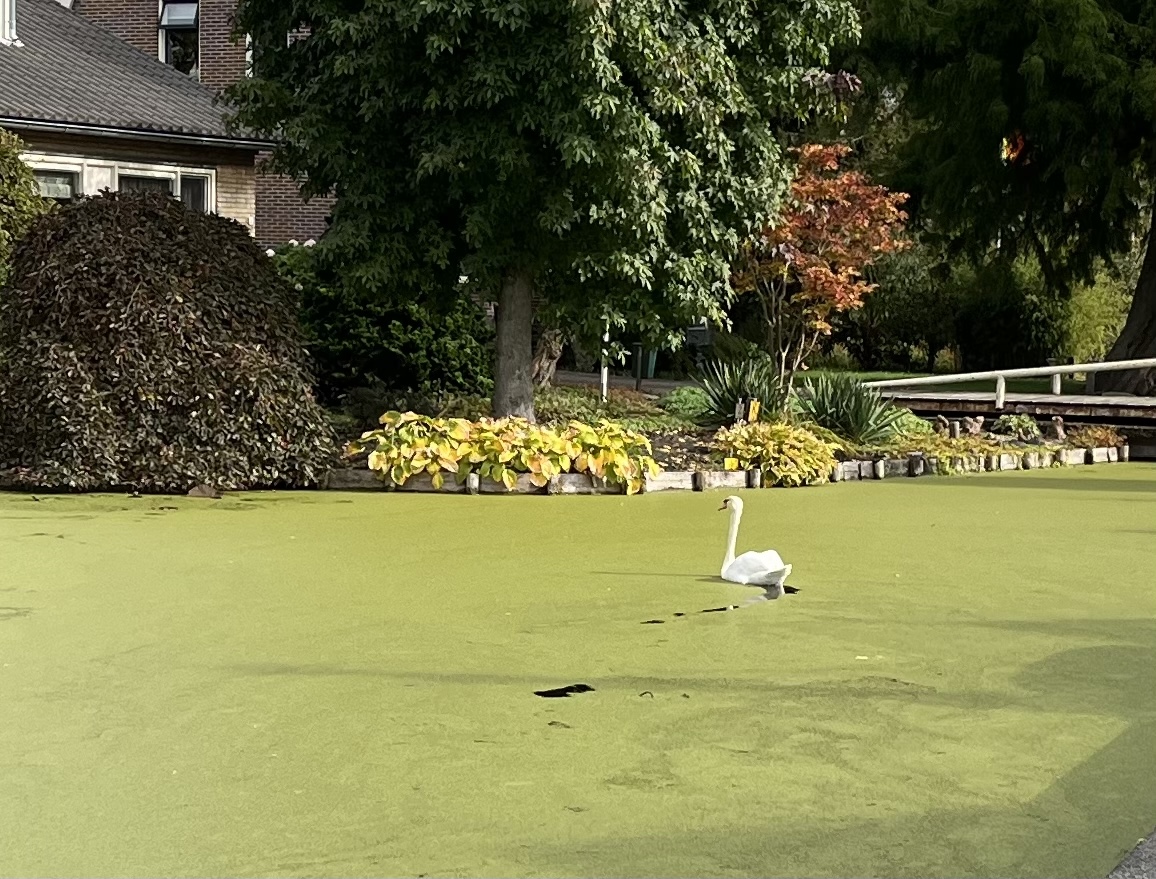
[[70, 74]]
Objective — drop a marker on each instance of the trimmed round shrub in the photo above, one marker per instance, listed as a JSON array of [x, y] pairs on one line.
[[145, 345]]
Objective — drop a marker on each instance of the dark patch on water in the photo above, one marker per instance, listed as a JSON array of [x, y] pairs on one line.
[[564, 692], [12, 613]]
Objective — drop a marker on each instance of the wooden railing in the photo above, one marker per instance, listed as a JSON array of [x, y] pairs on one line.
[[1002, 375]]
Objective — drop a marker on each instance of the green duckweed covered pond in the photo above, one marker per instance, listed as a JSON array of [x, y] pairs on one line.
[[343, 685]]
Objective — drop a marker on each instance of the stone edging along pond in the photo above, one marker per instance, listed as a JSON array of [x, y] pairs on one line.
[[914, 464]]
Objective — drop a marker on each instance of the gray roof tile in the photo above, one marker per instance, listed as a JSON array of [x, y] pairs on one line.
[[70, 70]]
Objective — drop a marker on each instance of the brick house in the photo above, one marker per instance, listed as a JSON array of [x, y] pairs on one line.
[[196, 38], [95, 114]]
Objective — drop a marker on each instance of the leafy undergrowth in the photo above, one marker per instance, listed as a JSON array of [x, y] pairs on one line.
[[630, 409], [788, 456]]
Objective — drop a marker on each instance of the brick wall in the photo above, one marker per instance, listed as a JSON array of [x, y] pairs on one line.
[[281, 214], [237, 193], [222, 59], [134, 21]]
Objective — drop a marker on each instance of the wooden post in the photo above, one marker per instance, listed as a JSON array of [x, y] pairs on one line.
[[638, 366], [1057, 384], [1000, 391], [605, 379]]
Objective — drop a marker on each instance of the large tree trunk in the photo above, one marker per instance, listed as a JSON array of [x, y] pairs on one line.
[[546, 357], [514, 322], [1138, 338]]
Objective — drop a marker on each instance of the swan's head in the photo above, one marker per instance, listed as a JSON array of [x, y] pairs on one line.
[[732, 503]]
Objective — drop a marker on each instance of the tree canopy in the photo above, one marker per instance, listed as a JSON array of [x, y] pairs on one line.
[[607, 159], [1032, 130]]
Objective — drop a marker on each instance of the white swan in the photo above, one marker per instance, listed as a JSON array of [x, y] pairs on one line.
[[764, 569]]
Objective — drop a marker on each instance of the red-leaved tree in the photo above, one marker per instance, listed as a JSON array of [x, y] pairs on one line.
[[808, 267]]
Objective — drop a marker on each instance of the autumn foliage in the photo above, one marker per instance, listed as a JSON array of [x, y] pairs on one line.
[[809, 266]]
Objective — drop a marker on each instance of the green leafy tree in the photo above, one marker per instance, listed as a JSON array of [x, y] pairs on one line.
[[606, 159], [20, 201], [1031, 130]]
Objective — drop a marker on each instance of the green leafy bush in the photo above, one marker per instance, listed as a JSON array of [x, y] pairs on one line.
[[788, 456], [143, 344], [1007, 317], [725, 383], [20, 201], [910, 424], [1095, 436], [837, 358], [851, 410], [911, 314], [409, 444], [687, 402], [1096, 314], [1021, 427], [363, 406], [404, 351], [561, 405]]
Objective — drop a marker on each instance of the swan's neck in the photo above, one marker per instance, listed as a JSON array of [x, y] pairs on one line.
[[732, 539]]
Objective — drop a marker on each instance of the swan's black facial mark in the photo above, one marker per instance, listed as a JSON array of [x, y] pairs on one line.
[[564, 692]]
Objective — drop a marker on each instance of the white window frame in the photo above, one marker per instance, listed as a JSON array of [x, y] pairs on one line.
[[8, 35], [161, 53], [167, 171], [61, 168]]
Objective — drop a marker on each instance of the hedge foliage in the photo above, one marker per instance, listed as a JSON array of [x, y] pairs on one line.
[[395, 349], [145, 345], [20, 201]]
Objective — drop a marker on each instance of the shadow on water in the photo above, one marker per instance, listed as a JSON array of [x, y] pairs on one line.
[[1082, 824]]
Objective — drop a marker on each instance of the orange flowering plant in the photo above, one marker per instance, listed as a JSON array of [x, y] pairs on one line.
[[808, 266]]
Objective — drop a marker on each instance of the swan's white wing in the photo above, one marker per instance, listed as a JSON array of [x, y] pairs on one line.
[[757, 568]]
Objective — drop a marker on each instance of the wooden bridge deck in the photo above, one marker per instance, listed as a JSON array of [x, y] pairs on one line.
[[1121, 409]]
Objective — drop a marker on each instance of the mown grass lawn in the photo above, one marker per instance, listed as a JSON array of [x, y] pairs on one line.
[[342, 685]]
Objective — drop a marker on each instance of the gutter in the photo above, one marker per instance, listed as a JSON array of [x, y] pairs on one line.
[[204, 140]]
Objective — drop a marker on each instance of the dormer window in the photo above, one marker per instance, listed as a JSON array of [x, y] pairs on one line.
[[8, 23], [180, 36]]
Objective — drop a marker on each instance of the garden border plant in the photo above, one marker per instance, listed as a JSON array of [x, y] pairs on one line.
[[416, 453]]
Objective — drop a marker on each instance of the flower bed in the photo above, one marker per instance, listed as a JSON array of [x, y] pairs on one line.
[[511, 456], [502, 455]]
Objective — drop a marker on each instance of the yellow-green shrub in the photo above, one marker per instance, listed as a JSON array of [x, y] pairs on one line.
[[788, 456], [409, 444]]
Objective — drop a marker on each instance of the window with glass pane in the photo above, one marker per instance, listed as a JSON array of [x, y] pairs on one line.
[[57, 185], [179, 14], [195, 192], [178, 23], [129, 183]]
